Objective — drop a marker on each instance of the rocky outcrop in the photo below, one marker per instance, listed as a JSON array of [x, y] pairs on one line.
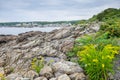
[[6, 38], [71, 71], [18, 51]]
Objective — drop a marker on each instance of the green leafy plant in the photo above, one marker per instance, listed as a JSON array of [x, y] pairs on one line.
[[72, 54], [112, 26], [99, 39], [37, 64], [85, 40], [97, 63]]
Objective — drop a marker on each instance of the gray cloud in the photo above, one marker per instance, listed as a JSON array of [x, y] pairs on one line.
[[52, 10]]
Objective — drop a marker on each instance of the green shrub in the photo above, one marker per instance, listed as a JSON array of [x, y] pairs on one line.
[[100, 39], [97, 63], [84, 40], [112, 27], [37, 64]]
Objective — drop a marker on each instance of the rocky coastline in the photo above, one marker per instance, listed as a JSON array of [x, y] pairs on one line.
[[17, 52]]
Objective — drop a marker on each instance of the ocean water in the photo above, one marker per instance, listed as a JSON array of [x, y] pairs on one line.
[[18, 30]]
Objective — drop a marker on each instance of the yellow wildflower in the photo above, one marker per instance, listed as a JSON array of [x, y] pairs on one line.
[[114, 52], [102, 57], [110, 57], [95, 60], [1, 75], [103, 65]]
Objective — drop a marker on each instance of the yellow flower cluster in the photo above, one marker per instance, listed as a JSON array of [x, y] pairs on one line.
[[95, 60], [1, 75], [103, 65], [37, 64]]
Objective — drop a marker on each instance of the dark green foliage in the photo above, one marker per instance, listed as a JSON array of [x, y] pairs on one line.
[[110, 13], [112, 27]]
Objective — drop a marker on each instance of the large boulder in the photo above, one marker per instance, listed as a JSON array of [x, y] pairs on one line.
[[66, 67]]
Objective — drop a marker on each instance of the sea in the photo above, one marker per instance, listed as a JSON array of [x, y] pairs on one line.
[[18, 30]]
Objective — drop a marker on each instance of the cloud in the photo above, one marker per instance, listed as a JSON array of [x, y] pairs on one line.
[[52, 10]]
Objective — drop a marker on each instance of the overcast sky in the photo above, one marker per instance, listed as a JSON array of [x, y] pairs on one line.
[[52, 10]]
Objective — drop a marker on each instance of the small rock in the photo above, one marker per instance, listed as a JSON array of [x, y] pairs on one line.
[[41, 78], [31, 74], [26, 79], [18, 78], [58, 74], [64, 77], [77, 76], [2, 62], [53, 79], [2, 70], [46, 71]]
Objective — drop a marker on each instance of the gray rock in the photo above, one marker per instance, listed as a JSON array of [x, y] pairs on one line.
[[63, 33], [13, 76], [66, 67], [18, 78], [53, 79], [64, 77], [67, 45], [77, 76], [2, 70], [41, 78], [31, 74], [51, 60], [58, 74], [26, 79], [2, 62], [46, 71]]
